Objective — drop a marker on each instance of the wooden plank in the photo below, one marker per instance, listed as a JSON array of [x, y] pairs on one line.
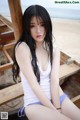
[[16, 16], [10, 45], [63, 57], [6, 66], [68, 69], [5, 21], [76, 100], [4, 29], [12, 106], [10, 61], [10, 93], [7, 55], [6, 37], [2, 25]]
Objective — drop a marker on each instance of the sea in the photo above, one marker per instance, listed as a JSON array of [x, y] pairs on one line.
[[57, 10]]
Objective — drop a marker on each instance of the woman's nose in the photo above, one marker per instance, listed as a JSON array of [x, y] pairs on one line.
[[38, 29]]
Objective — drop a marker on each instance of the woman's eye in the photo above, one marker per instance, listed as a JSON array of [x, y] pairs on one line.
[[42, 24], [31, 26]]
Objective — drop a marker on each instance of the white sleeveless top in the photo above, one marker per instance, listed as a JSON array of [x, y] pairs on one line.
[[29, 96]]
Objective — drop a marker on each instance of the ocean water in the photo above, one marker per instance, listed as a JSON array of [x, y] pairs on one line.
[[68, 11]]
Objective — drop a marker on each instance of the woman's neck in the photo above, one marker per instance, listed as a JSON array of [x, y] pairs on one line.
[[39, 45]]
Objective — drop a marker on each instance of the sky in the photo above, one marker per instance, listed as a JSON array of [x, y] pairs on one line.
[[45, 3], [56, 9], [51, 3]]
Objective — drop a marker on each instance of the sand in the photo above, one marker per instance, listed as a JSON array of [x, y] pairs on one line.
[[67, 34]]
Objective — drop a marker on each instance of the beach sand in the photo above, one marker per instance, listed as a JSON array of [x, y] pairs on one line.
[[67, 35]]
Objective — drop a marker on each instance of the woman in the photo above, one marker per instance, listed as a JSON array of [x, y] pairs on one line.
[[38, 61]]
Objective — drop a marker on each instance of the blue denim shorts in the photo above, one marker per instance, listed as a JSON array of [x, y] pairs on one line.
[[21, 111], [62, 97]]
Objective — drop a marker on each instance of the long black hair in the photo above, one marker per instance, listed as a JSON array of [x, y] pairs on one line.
[[38, 12]]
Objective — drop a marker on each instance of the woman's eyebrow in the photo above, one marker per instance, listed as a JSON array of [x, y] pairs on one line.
[[32, 23], [41, 22]]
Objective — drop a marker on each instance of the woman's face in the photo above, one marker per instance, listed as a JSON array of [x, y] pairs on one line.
[[37, 29]]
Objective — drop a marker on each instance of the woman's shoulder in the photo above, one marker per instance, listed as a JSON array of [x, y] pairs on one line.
[[56, 49], [22, 48]]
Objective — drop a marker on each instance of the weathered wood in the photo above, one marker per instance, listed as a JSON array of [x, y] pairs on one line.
[[2, 86], [12, 106], [16, 15], [2, 25], [9, 64], [6, 66], [10, 93], [10, 45], [76, 100], [63, 57], [6, 37], [3, 20], [67, 70], [4, 29], [8, 56]]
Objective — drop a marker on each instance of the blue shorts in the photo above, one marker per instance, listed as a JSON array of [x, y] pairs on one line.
[[21, 111], [62, 97]]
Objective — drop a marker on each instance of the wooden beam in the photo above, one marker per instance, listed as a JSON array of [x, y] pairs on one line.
[[76, 100], [9, 45], [7, 55], [63, 57], [4, 28], [6, 37], [5, 66], [10, 93], [6, 22], [10, 61], [67, 70], [2, 25], [16, 16]]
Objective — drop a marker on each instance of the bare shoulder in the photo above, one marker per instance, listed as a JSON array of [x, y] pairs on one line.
[[56, 51], [22, 50]]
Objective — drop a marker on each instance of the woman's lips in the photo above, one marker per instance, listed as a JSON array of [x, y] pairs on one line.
[[38, 36]]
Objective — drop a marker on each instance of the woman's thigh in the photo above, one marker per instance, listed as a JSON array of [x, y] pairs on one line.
[[70, 110], [40, 112]]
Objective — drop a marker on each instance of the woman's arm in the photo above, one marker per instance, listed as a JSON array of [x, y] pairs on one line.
[[23, 57], [55, 78]]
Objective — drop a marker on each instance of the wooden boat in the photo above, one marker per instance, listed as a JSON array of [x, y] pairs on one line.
[[11, 93], [6, 37]]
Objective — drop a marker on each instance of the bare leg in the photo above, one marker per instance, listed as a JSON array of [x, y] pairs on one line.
[[40, 112], [69, 109]]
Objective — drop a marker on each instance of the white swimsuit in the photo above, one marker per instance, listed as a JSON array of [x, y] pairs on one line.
[[29, 96]]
